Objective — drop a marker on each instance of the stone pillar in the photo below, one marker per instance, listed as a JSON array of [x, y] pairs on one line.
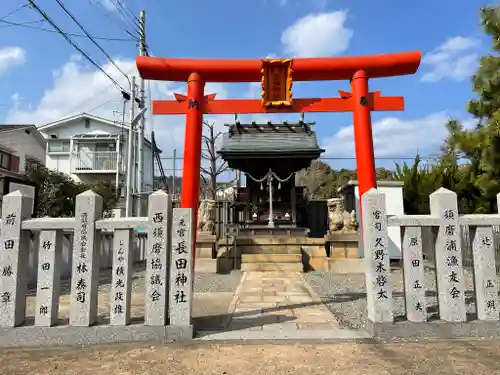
[[182, 267], [413, 266], [121, 284], [85, 264], [376, 244], [449, 271], [293, 201], [485, 280], [49, 275], [14, 255], [157, 259]]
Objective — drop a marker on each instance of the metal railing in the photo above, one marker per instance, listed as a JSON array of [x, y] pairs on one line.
[[95, 161]]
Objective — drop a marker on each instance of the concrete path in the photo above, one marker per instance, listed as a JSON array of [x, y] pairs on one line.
[[279, 305]]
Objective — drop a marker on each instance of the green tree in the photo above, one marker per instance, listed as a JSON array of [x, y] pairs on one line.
[[56, 192], [470, 158]]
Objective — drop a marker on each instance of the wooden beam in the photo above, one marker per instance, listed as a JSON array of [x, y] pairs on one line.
[[304, 69], [231, 106]]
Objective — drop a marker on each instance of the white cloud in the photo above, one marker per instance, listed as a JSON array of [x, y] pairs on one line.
[[316, 35], [76, 88], [10, 57], [393, 137], [455, 59]]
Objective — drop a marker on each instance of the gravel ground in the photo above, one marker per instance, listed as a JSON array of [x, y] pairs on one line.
[[437, 358], [216, 283], [345, 295], [204, 282]]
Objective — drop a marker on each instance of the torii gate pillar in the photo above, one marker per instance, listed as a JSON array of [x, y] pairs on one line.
[[363, 140], [190, 193]]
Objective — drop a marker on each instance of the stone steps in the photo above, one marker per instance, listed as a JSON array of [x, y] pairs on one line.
[[270, 249], [270, 267], [271, 258]]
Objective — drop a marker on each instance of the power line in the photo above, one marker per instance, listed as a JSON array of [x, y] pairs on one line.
[[122, 8], [98, 5], [101, 105], [24, 24], [91, 39], [14, 11], [74, 45]]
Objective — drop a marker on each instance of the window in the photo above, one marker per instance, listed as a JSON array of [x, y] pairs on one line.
[[31, 162], [58, 146], [105, 146], [5, 160]]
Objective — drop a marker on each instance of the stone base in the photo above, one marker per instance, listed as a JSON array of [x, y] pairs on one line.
[[102, 334], [434, 330]]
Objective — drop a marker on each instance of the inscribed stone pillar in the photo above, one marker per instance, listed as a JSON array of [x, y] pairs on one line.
[[121, 287], [14, 254], [85, 265], [449, 270], [49, 274], [157, 258], [376, 244], [181, 268], [413, 266], [485, 277]]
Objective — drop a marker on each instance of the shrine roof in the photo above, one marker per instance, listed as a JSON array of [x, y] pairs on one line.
[[272, 139]]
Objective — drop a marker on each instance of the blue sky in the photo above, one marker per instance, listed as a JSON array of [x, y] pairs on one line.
[[42, 78]]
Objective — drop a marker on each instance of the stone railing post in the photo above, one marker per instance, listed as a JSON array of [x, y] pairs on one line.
[[376, 244], [413, 270], [157, 258], [449, 268], [181, 275], [14, 254], [49, 275], [485, 278], [85, 264], [121, 287]]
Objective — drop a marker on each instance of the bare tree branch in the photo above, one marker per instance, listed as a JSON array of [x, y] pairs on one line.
[[222, 168], [215, 167]]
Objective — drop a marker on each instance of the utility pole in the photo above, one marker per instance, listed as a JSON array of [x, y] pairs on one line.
[[173, 173], [130, 149], [142, 124]]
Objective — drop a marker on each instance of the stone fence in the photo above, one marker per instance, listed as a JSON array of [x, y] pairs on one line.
[[169, 271], [454, 320]]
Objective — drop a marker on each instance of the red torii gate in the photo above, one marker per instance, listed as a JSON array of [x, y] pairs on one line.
[[277, 98]]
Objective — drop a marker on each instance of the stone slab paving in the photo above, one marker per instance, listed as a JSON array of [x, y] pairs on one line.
[[278, 301]]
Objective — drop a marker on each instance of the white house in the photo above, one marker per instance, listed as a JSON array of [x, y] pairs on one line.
[[91, 149], [20, 146]]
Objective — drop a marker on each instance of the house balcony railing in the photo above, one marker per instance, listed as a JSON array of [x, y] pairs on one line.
[[96, 162]]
